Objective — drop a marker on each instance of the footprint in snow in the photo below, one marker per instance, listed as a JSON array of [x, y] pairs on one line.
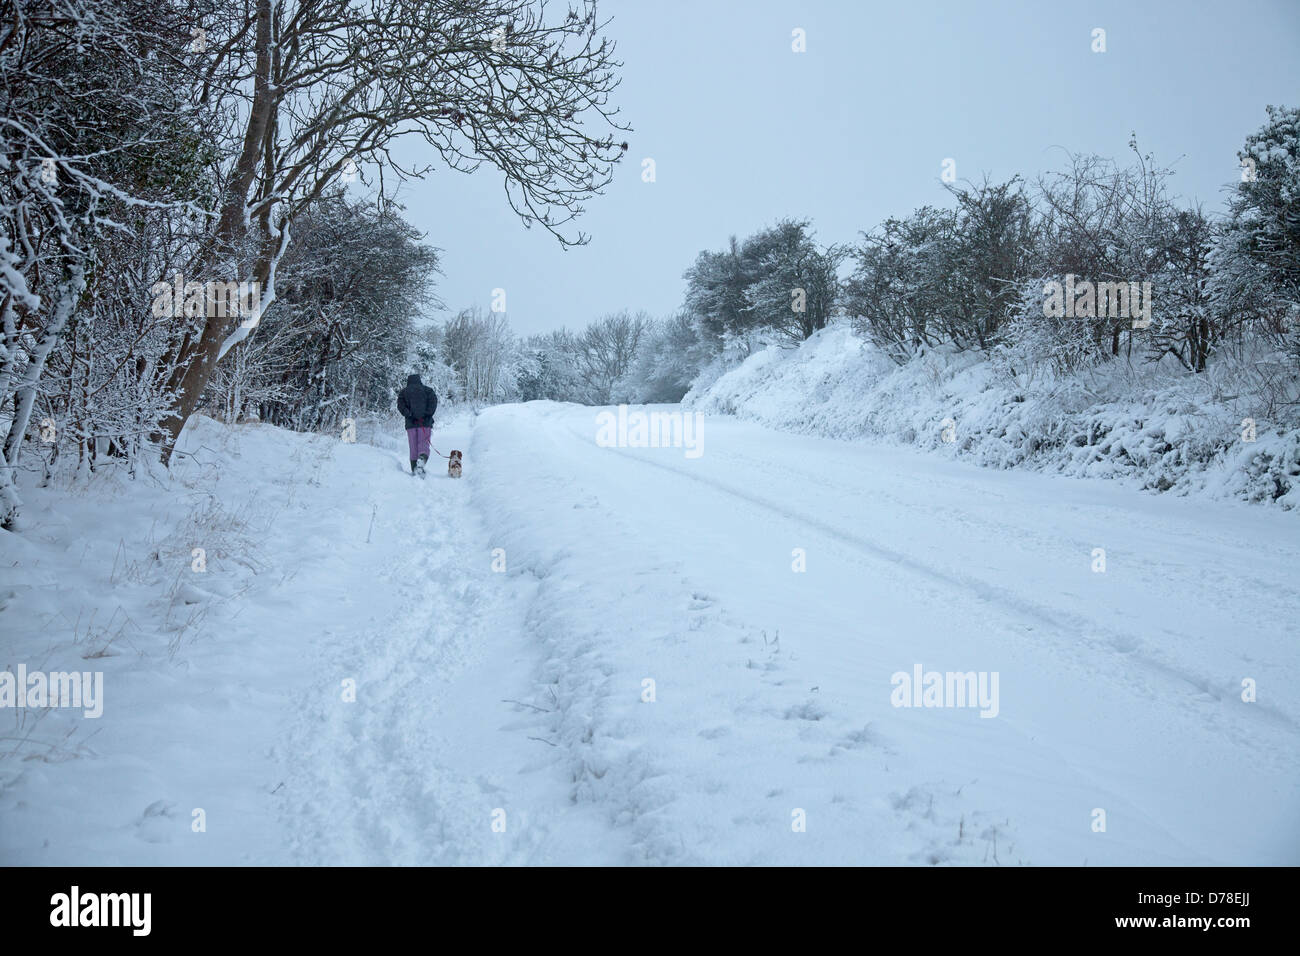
[[157, 823], [700, 602], [809, 710]]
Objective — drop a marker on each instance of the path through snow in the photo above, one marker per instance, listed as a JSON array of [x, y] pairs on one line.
[[638, 573]]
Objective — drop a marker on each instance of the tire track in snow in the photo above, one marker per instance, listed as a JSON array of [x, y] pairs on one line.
[[740, 734], [1123, 644], [706, 761]]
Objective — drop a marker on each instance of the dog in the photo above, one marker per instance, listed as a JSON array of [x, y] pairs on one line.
[[453, 464]]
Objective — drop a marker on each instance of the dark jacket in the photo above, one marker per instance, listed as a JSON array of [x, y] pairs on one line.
[[417, 403]]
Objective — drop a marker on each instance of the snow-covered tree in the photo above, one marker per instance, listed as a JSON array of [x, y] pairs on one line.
[[670, 356], [317, 87], [992, 249], [715, 292], [603, 355], [351, 288], [480, 347], [793, 282], [548, 368], [899, 291], [101, 173], [1259, 262], [1186, 324]]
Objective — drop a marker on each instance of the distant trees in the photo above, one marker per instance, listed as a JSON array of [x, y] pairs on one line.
[[778, 281], [668, 361], [480, 349], [603, 355], [591, 367], [547, 369]]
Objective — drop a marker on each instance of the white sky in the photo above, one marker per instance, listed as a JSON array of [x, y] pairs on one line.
[[744, 131]]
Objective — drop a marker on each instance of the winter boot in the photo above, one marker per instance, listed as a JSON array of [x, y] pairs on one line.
[[420, 465], [413, 464]]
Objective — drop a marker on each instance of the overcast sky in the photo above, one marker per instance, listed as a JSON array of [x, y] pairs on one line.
[[745, 131]]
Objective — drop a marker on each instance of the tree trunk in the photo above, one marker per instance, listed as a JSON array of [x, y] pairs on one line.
[[25, 394], [197, 358]]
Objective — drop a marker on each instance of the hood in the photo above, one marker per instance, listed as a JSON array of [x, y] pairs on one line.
[[413, 380]]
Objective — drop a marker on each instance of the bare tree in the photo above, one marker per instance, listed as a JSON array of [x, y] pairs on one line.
[[899, 291], [480, 348], [322, 84], [603, 354]]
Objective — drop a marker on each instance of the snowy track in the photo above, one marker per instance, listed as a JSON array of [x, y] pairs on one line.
[[413, 770], [638, 675], [1119, 690]]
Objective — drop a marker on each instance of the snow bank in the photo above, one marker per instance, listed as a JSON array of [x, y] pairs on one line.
[[1163, 432], [143, 582]]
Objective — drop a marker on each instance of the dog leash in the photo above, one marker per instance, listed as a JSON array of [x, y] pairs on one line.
[[436, 452]]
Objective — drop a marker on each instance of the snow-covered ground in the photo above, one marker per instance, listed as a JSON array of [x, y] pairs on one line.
[[612, 652], [242, 713]]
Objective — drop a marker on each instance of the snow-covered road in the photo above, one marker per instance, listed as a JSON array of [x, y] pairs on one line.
[[1119, 690], [586, 654]]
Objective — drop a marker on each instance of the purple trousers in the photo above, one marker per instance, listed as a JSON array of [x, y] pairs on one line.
[[418, 439]]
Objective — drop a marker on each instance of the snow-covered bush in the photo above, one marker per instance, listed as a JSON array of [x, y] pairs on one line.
[[1150, 424]]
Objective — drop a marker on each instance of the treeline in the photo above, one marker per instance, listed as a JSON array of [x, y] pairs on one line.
[[1084, 266], [737, 296], [622, 357]]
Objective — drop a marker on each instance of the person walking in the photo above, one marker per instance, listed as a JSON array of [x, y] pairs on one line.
[[417, 402]]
